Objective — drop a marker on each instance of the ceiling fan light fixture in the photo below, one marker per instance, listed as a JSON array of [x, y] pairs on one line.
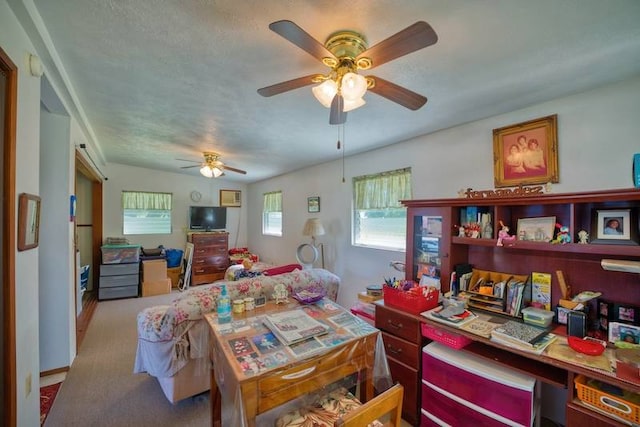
[[353, 87], [206, 171], [352, 105], [216, 172], [325, 92]]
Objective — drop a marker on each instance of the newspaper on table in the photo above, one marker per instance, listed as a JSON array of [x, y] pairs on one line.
[[294, 326]]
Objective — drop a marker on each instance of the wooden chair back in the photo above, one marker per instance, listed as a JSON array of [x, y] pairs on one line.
[[389, 402]]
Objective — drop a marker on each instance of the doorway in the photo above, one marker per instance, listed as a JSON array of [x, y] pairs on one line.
[[8, 108]]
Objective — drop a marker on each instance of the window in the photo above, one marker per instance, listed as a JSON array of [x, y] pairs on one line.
[[272, 214], [146, 213], [379, 219]]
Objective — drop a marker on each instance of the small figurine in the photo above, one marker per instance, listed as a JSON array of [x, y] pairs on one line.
[[503, 235], [563, 234], [583, 237], [461, 232], [280, 293]]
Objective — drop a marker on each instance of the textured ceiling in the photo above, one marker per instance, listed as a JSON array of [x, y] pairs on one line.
[[158, 80]]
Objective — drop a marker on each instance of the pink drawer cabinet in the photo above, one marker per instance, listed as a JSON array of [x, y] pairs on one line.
[[459, 388]]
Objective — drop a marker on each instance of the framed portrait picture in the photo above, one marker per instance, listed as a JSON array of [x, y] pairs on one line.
[[231, 198], [614, 226], [538, 229], [526, 153], [313, 204]]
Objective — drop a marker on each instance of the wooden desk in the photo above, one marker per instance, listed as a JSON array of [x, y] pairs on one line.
[[251, 381]]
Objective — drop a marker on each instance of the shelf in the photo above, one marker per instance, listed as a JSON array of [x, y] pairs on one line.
[[592, 248]]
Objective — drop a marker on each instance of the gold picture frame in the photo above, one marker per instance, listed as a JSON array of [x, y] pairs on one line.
[[231, 198], [526, 153], [28, 221]]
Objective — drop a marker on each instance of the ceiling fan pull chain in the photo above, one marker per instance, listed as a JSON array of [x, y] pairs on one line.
[[343, 150], [338, 143]]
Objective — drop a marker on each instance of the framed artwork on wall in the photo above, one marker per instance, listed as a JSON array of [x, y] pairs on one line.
[[526, 153], [28, 221], [231, 198], [313, 204]]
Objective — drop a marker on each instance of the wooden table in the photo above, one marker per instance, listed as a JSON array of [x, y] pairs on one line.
[[255, 376]]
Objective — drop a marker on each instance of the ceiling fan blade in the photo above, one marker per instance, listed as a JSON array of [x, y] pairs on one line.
[[225, 167], [337, 116], [189, 167], [412, 38], [398, 94], [286, 86], [187, 160], [300, 38]]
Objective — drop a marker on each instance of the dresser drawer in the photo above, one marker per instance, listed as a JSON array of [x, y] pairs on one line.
[[116, 281], [398, 324], [409, 378], [207, 269], [221, 261], [210, 239], [119, 269], [402, 350]]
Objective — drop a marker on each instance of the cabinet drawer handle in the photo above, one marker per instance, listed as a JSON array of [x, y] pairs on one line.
[[200, 251], [394, 325], [393, 350], [300, 374], [200, 270], [199, 261]]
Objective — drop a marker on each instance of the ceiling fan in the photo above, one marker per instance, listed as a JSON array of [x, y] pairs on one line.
[[346, 52], [212, 167]]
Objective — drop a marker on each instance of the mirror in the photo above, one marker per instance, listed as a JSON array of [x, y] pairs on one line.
[[28, 221]]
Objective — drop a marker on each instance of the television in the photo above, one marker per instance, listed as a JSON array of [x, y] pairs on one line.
[[207, 218]]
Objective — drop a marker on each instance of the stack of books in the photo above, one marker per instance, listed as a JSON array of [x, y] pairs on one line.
[[522, 336]]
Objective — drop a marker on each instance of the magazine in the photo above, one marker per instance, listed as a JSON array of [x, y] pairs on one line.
[[538, 347], [294, 326], [455, 321]]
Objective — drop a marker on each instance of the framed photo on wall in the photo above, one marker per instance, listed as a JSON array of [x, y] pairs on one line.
[[313, 204], [614, 227], [526, 153], [28, 221], [231, 198]]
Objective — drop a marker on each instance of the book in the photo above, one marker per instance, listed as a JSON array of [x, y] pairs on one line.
[[538, 347], [293, 326], [519, 333], [541, 289]]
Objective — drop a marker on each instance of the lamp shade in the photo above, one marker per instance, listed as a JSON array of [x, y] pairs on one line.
[[352, 105], [325, 92], [354, 86], [313, 227], [206, 171]]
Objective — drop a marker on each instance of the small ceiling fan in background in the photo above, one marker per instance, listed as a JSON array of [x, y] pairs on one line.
[[346, 52], [212, 167]]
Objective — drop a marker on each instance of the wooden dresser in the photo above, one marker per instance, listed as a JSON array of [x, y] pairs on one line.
[[210, 257], [403, 346]]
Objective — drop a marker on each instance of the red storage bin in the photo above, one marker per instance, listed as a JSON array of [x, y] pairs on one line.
[[445, 337], [410, 302]]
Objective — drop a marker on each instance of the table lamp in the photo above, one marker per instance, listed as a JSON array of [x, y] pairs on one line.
[[313, 227]]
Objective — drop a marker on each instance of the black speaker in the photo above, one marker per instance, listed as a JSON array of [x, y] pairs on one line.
[[577, 324]]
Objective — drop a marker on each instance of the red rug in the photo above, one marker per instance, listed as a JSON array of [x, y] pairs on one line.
[[47, 395]]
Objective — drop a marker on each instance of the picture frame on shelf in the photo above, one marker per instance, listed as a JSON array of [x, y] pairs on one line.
[[313, 204], [614, 227], [231, 198], [28, 221], [539, 229], [526, 153]]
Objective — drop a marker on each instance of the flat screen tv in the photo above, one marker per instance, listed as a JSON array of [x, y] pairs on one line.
[[207, 218]]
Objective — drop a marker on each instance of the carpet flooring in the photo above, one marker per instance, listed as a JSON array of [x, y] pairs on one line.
[[47, 396], [101, 389]]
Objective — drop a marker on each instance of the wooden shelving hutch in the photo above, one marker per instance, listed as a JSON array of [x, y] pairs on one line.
[[580, 264]]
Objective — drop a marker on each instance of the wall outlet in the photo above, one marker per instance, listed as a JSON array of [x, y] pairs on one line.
[[27, 385]]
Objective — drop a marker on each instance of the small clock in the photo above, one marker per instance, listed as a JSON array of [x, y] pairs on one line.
[[196, 196]]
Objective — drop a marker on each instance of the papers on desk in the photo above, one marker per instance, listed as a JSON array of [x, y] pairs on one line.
[[294, 326], [456, 320]]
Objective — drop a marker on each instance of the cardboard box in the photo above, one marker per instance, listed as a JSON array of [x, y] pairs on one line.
[[154, 270], [157, 287], [173, 273]]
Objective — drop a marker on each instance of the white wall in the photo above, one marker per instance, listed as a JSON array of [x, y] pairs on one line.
[[56, 294], [15, 43], [123, 177], [597, 136]]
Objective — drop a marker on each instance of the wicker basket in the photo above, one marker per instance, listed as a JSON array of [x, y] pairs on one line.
[[410, 302], [615, 405]]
